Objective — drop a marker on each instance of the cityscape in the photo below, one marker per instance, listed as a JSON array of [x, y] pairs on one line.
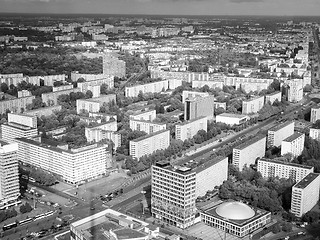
[[154, 126]]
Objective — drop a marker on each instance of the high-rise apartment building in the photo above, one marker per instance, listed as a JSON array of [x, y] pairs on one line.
[[293, 89], [94, 104], [278, 133], [113, 66], [305, 194], [73, 165], [293, 144], [252, 105], [188, 129], [192, 94], [199, 107], [148, 115], [146, 126], [315, 114], [9, 175], [314, 134], [175, 188], [272, 97], [149, 144], [283, 169], [247, 153], [153, 87], [231, 118]]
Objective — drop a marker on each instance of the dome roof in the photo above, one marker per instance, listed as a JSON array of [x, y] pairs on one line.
[[235, 211]]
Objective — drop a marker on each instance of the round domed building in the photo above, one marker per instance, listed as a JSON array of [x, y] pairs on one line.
[[236, 218]]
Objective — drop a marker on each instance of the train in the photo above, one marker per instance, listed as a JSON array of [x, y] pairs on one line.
[[27, 221]]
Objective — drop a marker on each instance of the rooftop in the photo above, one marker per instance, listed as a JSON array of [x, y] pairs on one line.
[[19, 126], [142, 112], [232, 115], [191, 121], [246, 144], [293, 137], [254, 98], [274, 93], [306, 180], [279, 126], [127, 233], [149, 135], [281, 161]]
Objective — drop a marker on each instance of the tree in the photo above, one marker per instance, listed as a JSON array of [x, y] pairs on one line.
[[4, 87], [307, 88], [89, 94], [219, 110]]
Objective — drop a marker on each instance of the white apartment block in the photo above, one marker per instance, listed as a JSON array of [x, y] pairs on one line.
[[315, 114], [248, 83], [272, 97], [293, 144], [175, 188], [45, 111], [146, 126], [51, 98], [23, 119], [231, 119], [210, 84], [193, 94], [9, 177], [73, 165], [62, 88], [149, 115], [252, 105], [149, 144], [10, 131], [305, 194], [104, 79], [314, 134], [188, 129], [248, 152], [96, 134], [278, 133], [294, 89], [153, 87], [270, 168], [94, 104], [199, 107], [16, 105]]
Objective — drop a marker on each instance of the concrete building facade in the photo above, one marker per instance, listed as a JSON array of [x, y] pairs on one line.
[[272, 97], [146, 126], [252, 105], [314, 134], [293, 144], [315, 114], [199, 107], [94, 104], [278, 133], [148, 115], [16, 105], [188, 129], [231, 119], [153, 87], [193, 94]]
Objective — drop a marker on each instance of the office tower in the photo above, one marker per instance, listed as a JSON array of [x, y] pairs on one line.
[[174, 189], [150, 143], [283, 169], [278, 133], [9, 175], [305, 194], [248, 152], [199, 107], [252, 105], [188, 129], [293, 144]]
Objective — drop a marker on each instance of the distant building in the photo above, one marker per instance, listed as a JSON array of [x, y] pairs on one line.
[[293, 144], [193, 94], [149, 144], [153, 87], [45, 111], [248, 152], [315, 134], [272, 97], [252, 105], [94, 104], [278, 133], [315, 114], [199, 107], [9, 177], [231, 119], [305, 194], [113, 66], [73, 165], [148, 115], [16, 105], [51, 98], [23, 119], [175, 203], [146, 126], [188, 129], [282, 169]]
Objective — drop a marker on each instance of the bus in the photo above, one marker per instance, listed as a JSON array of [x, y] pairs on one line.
[[26, 221], [43, 215], [15, 203], [49, 213], [9, 226]]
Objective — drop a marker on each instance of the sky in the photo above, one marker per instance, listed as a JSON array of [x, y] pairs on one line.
[[169, 7]]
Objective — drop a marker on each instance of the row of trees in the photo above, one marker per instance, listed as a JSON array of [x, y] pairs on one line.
[[25, 208], [6, 214]]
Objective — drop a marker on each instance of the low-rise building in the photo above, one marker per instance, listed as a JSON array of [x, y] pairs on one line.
[[247, 153], [188, 129], [150, 143], [293, 144], [279, 132], [280, 168], [23, 119], [305, 194], [252, 105], [231, 119]]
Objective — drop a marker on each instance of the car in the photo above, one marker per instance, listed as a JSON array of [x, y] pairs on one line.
[[92, 208]]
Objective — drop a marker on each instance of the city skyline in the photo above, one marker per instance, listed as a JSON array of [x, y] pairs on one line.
[[170, 7]]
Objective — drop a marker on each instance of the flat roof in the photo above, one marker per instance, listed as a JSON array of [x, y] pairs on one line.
[[274, 93], [306, 180], [279, 126], [127, 233], [145, 121], [249, 142], [252, 99], [232, 115], [293, 137], [149, 135], [191, 121], [142, 112], [282, 161], [19, 126]]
